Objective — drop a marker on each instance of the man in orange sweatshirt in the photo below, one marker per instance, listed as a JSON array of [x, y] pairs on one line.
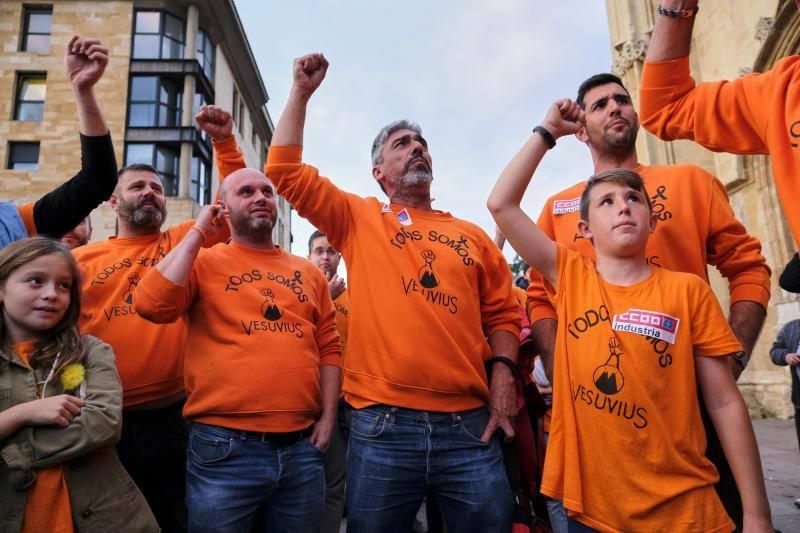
[[149, 356], [696, 228], [755, 114], [262, 365], [430, 305]]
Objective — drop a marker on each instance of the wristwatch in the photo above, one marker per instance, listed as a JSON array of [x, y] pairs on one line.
[[678, 13]]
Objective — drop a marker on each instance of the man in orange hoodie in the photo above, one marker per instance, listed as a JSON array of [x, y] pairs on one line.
[[755, 114], [696, 228], [430, 306], [262, 365]]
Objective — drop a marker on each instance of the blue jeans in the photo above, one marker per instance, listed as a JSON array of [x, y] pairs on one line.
[[230, 475], [396, 456]]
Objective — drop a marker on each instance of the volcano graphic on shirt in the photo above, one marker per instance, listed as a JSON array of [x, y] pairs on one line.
[[427, 277], [269, 309], [133, 281], [608, 377]]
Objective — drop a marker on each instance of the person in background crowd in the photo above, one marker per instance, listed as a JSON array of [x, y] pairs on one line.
[[79, 235], [63, 208]]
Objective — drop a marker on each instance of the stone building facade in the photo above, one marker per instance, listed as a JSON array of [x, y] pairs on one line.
[[730, 39], [167, 57]]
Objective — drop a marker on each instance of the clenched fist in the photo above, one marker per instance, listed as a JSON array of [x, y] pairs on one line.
[[86, 60], [215, 121], [309, 71], [565, 117]]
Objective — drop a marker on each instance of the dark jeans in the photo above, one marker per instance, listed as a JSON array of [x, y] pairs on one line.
[[726, 486], [335, 475], [396, 456], [233, 474], [153, 451], [573, 526]]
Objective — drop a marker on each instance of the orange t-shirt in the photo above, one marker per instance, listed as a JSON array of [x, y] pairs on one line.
[[47, 507], [426, 289], [261, 323], [342, 306], [755, 114], [149, 356], [696, 227], [627, 445], [26, 214]]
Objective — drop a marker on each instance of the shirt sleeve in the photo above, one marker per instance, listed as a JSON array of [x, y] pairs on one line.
[[315, 198], [499, 308], [26, 214], [327, 336], [711, 334], [724, 116], [538, 304], [735, 253], [60, 210], [781, 346], [161, 301], [228, 157]]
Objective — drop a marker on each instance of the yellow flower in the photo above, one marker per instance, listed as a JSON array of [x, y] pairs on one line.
[[72, 375]]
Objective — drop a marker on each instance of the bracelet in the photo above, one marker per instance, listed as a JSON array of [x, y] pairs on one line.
[[201, 232], [546, 135], [506, 361], [742, 358], [679, 13]]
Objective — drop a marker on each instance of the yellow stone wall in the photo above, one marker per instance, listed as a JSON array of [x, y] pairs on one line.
[[727, 42], [59, 155]]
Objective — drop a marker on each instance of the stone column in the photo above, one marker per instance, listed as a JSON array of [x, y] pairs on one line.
[[190, 52]]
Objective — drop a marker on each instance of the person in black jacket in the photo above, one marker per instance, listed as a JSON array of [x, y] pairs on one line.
[[63, 208]]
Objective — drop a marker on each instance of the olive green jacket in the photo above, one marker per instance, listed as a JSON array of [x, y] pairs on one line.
[[102, 495]]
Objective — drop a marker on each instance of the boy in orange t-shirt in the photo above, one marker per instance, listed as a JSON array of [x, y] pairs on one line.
[[626, 440], [262, 365]]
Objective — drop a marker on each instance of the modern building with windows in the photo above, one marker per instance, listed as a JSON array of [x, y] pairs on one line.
[[167, 58]]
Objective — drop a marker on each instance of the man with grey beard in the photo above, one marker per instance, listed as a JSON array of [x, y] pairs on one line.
[[430, 308], [149, 356]]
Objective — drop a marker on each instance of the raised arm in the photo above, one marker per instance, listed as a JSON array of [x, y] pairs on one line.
[[529, 241], [672, 36], [309, 71], [62, 209]]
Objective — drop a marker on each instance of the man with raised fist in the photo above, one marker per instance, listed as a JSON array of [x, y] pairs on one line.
[[755, 114], [63, 208], [431, 310], [149, 356]]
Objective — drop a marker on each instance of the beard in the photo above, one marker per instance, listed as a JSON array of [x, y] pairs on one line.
[[146, 215], [254, 229], [615, 145], [415, 178]]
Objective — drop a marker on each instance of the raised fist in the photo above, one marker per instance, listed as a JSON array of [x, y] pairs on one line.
[[86, 60], [215, 121], [309, 71], [565, 117]]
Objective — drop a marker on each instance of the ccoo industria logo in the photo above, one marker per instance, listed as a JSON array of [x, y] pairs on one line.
[[648, 323]]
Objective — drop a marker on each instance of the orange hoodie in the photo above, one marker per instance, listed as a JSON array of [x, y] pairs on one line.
[[696, 227], [149, 356], [754, 114], [426, 289], [627, 445], [261, 323]]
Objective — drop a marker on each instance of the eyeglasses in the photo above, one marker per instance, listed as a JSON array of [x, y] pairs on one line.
[[324, 251]]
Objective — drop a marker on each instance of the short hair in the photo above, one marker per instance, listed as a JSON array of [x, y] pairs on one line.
[[314, 236], [383, 135], [627, 178], [142, 167], [596, 81]]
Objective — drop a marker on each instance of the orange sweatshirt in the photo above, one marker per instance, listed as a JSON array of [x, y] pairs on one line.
[[754, 114], [342, 305], [426, 289], [47, 507], [627, 445], [696, 227], [261, 323], [149, 356]]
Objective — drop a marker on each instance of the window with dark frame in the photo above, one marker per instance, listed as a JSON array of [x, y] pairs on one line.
[[241, 116], [200, 189], [36, 24], [165, 158], [158, 35], [154, 101], [205, 54], [30, 95], [235, 106], [23, 155]]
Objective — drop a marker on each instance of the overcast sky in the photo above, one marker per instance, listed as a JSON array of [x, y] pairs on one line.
[[476, 75]]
